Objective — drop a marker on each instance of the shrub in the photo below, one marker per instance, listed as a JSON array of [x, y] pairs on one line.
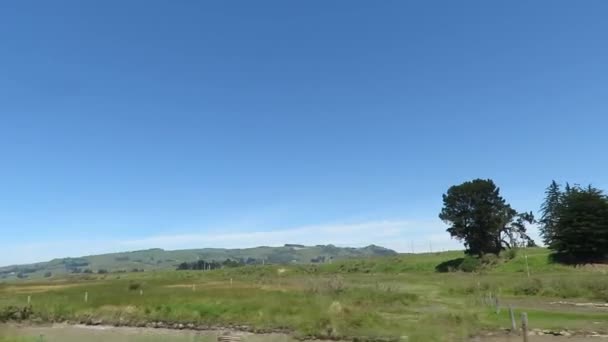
[[48, 274], [470, 264], [509, 254], [565, 289], [134, 286], [529, 287], [598, 288], [336, 285], [449, 265], [15, 313], [489, 259]]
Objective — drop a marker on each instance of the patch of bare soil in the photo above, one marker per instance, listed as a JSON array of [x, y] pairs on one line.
[[545, 338], [539, 335], [78, 333]]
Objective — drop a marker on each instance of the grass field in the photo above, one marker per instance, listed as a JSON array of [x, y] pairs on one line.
[[367, 298]]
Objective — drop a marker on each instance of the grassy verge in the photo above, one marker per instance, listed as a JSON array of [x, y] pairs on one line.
[[376, 297]]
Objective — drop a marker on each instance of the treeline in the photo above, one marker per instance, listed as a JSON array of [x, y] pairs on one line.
[[203, 265], [104, 271], [573, 223]]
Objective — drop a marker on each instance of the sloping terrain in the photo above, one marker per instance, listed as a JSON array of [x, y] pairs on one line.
[[157, 259]]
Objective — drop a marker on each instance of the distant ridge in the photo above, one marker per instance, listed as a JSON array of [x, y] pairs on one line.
[[159, 259]]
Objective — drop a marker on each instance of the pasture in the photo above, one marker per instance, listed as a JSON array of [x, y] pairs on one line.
[[381, 298]]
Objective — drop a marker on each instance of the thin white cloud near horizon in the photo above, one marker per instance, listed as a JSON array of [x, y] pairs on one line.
[[351, 234], [400, 235]]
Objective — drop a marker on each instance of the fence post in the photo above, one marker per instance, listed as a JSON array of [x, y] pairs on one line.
[[512, 315], [524, 325], [86, 297], [497, 305], [29, 300]]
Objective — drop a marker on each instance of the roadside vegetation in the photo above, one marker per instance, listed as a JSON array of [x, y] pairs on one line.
[[447, 296], [367, 298]]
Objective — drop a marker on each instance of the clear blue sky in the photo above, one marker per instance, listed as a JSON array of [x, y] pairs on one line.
[[137, 124]]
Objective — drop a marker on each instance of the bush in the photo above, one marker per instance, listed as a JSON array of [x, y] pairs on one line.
[[509, 254], [449, 266], [15, 313], [565, 289], [134, 286], [529, 287], [598, 288], [470, 264], [489, 259], [48, 274], [336, 285]]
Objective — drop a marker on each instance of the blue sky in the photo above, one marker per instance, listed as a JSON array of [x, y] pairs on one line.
[[138, 124]]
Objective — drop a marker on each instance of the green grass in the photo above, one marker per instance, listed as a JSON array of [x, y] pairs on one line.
[[159, 259], [17, 339], [379, 296]]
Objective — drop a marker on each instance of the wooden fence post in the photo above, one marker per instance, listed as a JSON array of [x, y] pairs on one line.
[[497, 305], [29, 300], [524, 325], [512, 315], [86, 297]]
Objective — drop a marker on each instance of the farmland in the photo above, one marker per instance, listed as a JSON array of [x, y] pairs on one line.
[[367, 298]]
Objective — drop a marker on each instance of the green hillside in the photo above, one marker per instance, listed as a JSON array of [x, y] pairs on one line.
[[159, 259], [381, 298]]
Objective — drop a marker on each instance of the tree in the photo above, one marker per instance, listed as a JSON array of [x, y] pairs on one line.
[[580, 232], [550, 211], [482, 219]]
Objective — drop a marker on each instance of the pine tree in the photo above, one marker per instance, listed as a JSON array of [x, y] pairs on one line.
[[550, 211], [580, 232]]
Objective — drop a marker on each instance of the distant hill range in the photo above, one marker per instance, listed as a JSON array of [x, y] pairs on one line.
[[159, 259]]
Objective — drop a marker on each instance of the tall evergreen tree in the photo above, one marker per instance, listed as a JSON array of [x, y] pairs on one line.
[[550, 211], [581, 228]]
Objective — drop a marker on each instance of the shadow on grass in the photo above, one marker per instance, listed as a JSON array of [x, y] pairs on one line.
[[575, 260], [449, 266]]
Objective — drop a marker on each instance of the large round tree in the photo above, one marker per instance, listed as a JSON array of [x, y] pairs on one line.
[[482, 219]]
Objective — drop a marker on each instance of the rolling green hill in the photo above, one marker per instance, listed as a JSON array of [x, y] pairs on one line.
[[157, 259]]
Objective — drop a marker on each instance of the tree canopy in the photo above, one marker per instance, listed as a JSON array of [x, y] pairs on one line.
[[482, 219], [575, 223]]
